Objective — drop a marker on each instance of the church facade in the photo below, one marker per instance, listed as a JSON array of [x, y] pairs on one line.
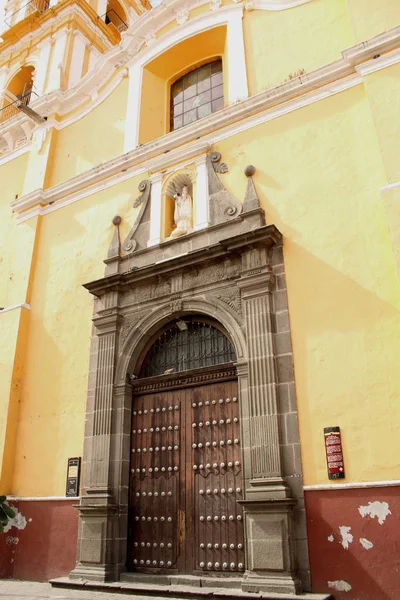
[[199, 293]]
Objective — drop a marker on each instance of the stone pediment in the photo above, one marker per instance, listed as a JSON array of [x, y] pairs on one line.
[[220, 217]]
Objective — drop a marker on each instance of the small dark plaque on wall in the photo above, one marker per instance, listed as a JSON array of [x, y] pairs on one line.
[[334, 454], [73, 476]]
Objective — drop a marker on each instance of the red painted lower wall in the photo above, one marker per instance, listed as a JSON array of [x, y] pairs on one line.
[[46, 547], [373, 572]]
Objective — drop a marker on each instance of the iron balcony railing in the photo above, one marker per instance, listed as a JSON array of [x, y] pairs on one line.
[[10, 109], [26, 10], [113, 17]]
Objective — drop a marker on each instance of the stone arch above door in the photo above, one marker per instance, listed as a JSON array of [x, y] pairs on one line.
[[228, 272], [137, 327]]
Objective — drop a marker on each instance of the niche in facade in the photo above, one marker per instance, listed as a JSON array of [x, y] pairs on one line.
[[178, 205]]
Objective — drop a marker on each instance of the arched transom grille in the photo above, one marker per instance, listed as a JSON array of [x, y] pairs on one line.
[[186, 345]]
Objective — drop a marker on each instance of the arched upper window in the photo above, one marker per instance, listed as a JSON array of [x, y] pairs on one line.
[[116, 16], [187, 344], [197, 94], [18, 88]]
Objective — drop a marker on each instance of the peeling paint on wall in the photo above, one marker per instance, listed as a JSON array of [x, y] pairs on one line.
[[18, 521], [12, 540], [339, 585], [375, 509], [366, 543], [347, 537]]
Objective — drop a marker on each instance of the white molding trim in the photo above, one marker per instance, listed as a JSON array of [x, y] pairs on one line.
[[231, 16], [381, 62], [354, 485], [15, 153], [41, 498], [275, 4], [379, 44], [15, 307], [183, 144], [390, 186], [47, 29], [202, 214], [155, 210], [102, 80]]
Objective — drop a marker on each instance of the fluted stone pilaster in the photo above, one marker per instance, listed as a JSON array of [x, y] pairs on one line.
[[256, 287]]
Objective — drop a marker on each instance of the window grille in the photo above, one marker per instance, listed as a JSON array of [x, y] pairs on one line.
[[197, 94], [187, 345]]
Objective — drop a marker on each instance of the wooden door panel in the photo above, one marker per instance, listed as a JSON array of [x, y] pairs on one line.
[[186, 478], [155, 482], [217, 474]]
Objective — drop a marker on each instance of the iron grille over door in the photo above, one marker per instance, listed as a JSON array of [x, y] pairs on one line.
[[187, 345]]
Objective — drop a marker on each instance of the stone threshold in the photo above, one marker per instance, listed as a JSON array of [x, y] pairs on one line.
[[179, 586]]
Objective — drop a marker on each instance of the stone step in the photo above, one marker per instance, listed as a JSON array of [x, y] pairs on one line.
[[186, 580], [180, 587]]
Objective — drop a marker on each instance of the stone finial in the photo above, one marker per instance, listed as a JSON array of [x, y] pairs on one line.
[[251, 200], [115, 246], [249, 170]]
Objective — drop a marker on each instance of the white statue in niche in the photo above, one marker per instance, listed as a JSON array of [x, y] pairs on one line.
[[183, 213], [179, 189]]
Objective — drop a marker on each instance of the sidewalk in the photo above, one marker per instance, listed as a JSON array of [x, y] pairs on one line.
[[11, 589]]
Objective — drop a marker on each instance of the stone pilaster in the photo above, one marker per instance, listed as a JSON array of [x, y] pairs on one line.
[[98, 545], [267, 504]]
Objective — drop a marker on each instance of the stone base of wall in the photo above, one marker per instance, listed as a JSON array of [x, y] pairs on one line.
[[353, 539], [43, 543]]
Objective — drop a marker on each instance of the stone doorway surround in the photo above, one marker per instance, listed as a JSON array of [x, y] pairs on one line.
[[231, 271]]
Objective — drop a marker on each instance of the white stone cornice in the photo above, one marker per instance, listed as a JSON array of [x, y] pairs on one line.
[[384, 42], [42, 498], [276, 4], [351, 485], [100, 82], [379, 62], [18, 152], [182, 144], [390, 186], [15, 307], [47, 29]]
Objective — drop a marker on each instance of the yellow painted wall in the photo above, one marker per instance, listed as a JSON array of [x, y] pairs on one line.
[[17, 245], [319, 174], [15, 240], [383, 89], [14, 330], [280, 43], [319, 177], [73, 243], [391, 203], [372, 18], [321, 187], [96, 138], [9, 325]]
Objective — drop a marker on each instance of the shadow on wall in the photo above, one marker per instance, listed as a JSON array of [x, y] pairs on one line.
[[357, 554], [344, 353]]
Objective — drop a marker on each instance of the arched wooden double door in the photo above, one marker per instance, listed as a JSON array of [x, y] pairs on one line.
[[186, 473]]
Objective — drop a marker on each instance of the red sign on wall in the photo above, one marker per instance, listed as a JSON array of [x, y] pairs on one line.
[[334, 454]]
